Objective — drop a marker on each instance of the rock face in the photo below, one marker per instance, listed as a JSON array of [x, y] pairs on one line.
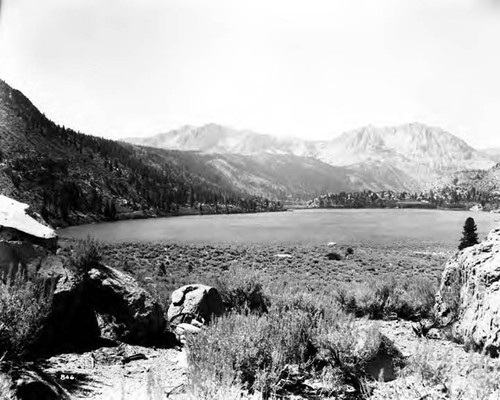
[[195, 302], [469, 295], [72, 323], [106, 304], [126, 311], [16, 223]]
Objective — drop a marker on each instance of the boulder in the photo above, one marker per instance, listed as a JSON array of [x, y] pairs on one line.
[[72, 323], [18, 223], [105, 304], [468, 301], [126, 312], [195, 302]]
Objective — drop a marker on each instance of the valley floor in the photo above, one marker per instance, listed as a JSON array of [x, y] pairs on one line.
[[162, 268], [437, 367]]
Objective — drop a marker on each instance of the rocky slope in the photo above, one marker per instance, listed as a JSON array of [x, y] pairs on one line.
[[468, 300], [420, 151], [70, 177], [213, 138], [399, 158]]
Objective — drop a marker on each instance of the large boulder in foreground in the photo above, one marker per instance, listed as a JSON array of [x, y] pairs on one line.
[[105, 303], [126, 312], [195, 301], [72, 323], [468, 300]]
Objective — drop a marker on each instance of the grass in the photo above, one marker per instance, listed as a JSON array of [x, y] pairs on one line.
[[86, 255], [171, 266], [25, 304], [411, 299], [242, 290], [292, 318], [436, 376], [255, 351], [24, 307]]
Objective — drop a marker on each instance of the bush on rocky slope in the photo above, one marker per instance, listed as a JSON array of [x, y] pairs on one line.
[[24, 307], [303, 336], [408, 299]]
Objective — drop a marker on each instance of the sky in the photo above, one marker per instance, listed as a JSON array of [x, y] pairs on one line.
[[310, 69]]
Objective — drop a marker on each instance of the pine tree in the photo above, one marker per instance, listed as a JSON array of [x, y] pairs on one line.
[[469, 233]]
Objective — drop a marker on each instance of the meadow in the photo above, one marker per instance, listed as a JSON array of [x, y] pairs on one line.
[[287, 247], [306, 303]]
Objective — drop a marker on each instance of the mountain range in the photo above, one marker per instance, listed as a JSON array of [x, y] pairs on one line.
[[67, 175], [70, 177], [405, 157]]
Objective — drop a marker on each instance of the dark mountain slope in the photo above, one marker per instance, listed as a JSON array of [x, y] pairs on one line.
[[69, 176]]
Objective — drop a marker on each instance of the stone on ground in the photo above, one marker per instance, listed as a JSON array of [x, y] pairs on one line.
[[127, 312], [195, 302]]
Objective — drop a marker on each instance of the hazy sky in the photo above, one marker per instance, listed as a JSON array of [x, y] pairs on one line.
[[311, 68]]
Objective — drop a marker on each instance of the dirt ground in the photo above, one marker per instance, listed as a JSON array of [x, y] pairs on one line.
[[102, 374]]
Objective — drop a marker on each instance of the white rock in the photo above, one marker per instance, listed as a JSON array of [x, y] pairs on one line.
[[331, 244], [283, 255], [13, 215], [187, 328], [469, 296]]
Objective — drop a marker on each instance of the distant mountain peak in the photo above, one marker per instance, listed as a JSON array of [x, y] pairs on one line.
[[415, 149]]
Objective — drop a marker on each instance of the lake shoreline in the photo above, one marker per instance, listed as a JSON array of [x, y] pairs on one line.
[[300, 227]]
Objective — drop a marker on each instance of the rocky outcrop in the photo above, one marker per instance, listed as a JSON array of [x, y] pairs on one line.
[[18, 224], [104, 304], [126, 312], [468, 300], [196, 301], [72, 323]]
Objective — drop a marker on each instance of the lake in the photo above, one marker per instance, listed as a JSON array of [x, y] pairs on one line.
[[313, 226]]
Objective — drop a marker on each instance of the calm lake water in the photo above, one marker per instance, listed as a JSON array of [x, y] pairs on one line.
[[297, 227]]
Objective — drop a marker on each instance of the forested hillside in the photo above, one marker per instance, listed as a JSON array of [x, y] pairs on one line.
[[71, 177], [463, 190]]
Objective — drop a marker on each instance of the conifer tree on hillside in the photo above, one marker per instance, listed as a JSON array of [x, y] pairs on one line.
[[469, 234]]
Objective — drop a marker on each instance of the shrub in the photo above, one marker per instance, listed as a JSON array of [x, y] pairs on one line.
[[407, 299], [24, 306], [435, 375], [242, 290], [255, 352], [334, 256], [413, 299], [86, 255]]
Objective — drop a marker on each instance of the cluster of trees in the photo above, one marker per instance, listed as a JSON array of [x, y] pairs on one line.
[[445, 197]]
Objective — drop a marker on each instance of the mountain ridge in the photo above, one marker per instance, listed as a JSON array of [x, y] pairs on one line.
[[420, 153], [72, 178], [69, 175]]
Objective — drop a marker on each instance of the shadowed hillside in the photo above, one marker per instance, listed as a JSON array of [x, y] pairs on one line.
[[70, 177]]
